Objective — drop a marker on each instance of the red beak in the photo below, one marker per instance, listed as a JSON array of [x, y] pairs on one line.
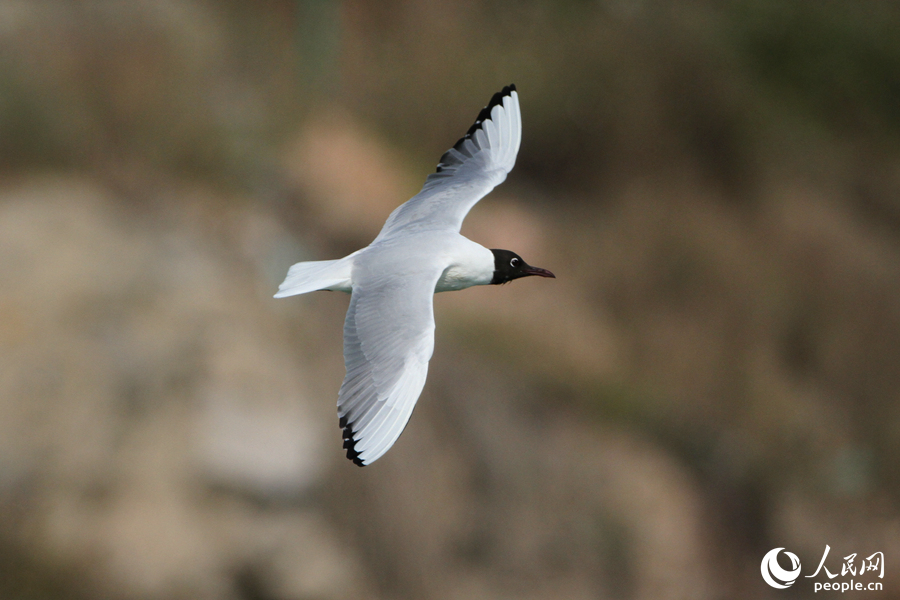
[[539, 272]]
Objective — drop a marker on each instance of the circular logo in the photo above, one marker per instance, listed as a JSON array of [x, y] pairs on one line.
[[774, 574]]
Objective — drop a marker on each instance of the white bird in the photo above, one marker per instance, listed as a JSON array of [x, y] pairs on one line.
[[389, 329]]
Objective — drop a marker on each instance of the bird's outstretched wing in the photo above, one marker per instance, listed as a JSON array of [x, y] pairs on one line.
[[388, 341], [475, 165]]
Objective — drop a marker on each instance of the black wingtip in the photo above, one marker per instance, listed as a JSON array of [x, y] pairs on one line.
[[485, 114], [350, 442]]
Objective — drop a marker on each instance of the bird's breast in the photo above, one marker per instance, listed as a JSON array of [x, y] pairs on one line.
[[454, 278]]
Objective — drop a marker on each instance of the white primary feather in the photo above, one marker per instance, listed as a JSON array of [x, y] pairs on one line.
[[475, 165]]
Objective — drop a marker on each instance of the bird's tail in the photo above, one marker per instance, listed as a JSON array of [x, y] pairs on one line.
[[316, 275]]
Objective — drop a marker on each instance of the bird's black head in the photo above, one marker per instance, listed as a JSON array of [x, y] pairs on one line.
[[509, 265]]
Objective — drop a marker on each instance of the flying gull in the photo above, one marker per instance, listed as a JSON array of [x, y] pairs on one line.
[[389, 329]]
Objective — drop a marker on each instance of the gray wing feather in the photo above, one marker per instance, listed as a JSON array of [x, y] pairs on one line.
[[388, 341], [475, 165]]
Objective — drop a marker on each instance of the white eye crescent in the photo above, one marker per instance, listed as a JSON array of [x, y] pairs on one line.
[[514, 262]]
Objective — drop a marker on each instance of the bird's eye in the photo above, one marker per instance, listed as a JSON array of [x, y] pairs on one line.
[[514, 262]]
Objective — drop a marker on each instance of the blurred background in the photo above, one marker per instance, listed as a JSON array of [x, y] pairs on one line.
[[713, 374]]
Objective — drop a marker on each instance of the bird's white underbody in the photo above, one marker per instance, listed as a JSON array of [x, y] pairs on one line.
[[389, 329]]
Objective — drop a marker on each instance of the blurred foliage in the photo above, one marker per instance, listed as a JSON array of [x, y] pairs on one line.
[[608, 85], [839, 62]]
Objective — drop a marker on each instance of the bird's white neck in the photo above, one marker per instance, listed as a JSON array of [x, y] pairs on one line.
[[472, 264]]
